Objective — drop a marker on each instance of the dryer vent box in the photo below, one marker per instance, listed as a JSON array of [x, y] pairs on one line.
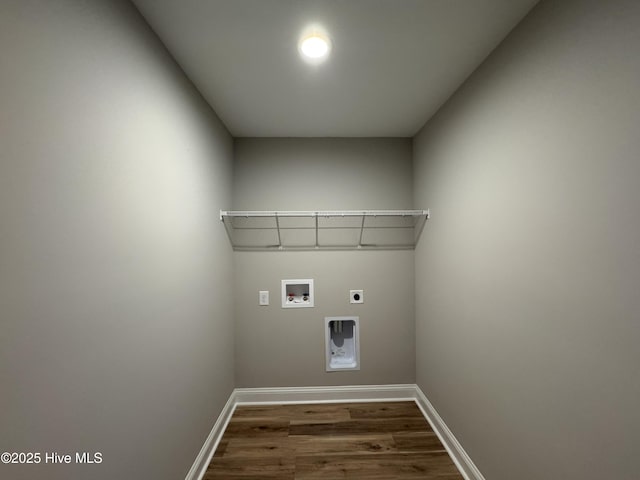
[[342, 343]]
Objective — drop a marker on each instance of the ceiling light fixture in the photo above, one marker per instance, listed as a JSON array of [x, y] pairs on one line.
[[314, 46]]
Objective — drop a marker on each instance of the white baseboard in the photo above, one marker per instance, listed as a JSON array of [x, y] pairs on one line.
[[464, 463], [203, 459], [334, 394]]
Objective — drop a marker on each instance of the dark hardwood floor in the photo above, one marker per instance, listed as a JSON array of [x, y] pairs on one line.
[[373, 441]]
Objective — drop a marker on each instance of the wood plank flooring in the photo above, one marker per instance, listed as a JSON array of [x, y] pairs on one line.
[[373, 441]]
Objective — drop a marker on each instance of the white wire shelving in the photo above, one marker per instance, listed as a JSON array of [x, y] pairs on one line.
[[324, 230]]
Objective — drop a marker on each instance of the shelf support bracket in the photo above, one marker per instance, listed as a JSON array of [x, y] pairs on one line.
[[278, 228], [361, 231]]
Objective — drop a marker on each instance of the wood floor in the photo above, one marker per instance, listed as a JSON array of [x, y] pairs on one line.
[[373, 441]]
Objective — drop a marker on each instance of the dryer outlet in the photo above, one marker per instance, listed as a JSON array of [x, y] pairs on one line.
[[356, 296]]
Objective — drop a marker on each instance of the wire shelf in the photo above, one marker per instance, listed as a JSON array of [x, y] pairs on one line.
[[324, 230]]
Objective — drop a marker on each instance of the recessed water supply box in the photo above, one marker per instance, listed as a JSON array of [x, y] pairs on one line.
[[342, 343], [297, 293]]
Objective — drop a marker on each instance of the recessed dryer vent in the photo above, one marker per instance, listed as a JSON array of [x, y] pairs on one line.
[[342, 343]]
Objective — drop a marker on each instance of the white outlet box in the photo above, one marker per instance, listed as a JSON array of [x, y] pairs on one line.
[[356, 296], [264, 297]]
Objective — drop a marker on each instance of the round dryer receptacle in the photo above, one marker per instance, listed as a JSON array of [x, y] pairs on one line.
[[356, 296]]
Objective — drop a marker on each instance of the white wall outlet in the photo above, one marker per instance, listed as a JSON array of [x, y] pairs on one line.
[[356, 296], [264, 297]]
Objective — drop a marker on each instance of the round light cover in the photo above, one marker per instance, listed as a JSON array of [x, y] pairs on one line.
[[314, 46]]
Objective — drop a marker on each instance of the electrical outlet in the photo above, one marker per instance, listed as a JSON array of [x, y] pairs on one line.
[[356, 296], [264, 297]]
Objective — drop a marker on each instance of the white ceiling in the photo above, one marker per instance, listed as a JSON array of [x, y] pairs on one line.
[[393, 64]]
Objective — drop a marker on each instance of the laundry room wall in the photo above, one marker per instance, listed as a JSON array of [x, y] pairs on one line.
[[116, 324], [527, 275], [285, 347]]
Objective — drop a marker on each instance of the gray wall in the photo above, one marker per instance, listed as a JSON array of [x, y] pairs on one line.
[[116, 330], [285, 347], [527, 275]]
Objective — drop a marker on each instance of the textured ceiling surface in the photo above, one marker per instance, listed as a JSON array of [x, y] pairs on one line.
[[393, 63]]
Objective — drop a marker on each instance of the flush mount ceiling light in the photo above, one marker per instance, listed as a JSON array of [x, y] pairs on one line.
[[314, 45]]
